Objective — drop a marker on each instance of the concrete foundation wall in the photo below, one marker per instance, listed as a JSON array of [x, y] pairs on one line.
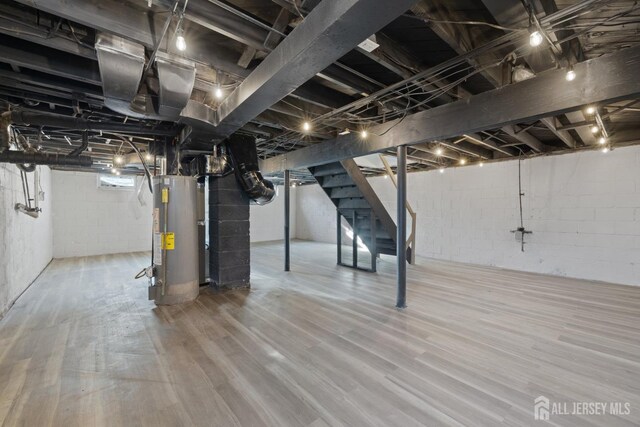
[[583, 209], [91, 221], [25, 242], [267, 222]]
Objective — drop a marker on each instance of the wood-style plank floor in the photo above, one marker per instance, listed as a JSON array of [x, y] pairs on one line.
[[321, 345]]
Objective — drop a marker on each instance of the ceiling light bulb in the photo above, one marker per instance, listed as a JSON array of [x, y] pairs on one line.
[[181, 43], [148, 157], [118, 160], [439, 151], [218, 92], [386, 176], [113, 170], [306, 126], [594, 129], [441, 170], [463, 161], [293, 184], [535, 39], [605, 150], [364, 134], [602, 140], [591, 110], [571, 75], [117, 172], [481, 164]]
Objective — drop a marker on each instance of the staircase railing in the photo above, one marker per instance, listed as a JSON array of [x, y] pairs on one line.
[[411, 240]]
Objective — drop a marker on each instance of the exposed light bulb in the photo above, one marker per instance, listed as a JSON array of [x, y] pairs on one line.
[[591, 110], [594, 129], [364, 134], [481, 164], [605, 150], [386, 176], [535, 39], [293, 184], [181, 43], [463, 161], [441, 170], [118, 160], [148, 157], [114, 170], [602, 140], [571, 75], [117, 172], [439, 151], [218, 92], [306, 126]]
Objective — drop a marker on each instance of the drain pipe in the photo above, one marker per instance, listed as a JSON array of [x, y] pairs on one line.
[[44, 159], [82, 147]]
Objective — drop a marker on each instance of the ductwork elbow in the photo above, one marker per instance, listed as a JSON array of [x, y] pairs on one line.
[[244, 154]]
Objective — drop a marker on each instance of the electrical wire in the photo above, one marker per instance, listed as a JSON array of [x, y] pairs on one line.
[[428, 20]]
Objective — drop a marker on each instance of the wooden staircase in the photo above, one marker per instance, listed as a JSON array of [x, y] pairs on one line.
[[355, 200]]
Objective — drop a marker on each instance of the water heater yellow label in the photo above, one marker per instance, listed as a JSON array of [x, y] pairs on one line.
[[169, 241], [165, 195]]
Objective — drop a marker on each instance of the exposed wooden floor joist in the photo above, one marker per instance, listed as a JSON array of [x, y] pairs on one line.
[[321, 345]]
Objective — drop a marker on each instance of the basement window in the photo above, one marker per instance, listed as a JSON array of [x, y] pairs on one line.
[[115, 182]]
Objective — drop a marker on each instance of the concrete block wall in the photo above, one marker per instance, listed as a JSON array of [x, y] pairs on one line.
[[91, 221], [583, 209], [267, 222], [229, 241], [25, 242]]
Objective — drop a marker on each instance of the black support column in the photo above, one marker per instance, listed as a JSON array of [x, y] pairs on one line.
[[229, 245], [401, 254], [287, 208]]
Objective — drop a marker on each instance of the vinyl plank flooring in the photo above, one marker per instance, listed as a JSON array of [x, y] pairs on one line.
[[319, 346]]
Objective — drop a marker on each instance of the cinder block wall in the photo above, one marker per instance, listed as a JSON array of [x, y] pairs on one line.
[[583, 209], [25, 242]]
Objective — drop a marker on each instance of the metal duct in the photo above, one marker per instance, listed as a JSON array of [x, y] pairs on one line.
[[121, 69], [44, 159], [176, 77], [245, 159], [121, 65]]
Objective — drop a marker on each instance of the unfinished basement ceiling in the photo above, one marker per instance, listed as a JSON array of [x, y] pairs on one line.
[[49, 63]]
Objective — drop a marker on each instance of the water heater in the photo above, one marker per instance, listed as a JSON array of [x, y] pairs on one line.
[[175, 240]]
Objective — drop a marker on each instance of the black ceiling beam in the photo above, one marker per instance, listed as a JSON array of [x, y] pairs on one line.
[[220, 20], [37, 118], [463, 40], [24, 54], [12, 26], [331, 30], [608, 78]]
